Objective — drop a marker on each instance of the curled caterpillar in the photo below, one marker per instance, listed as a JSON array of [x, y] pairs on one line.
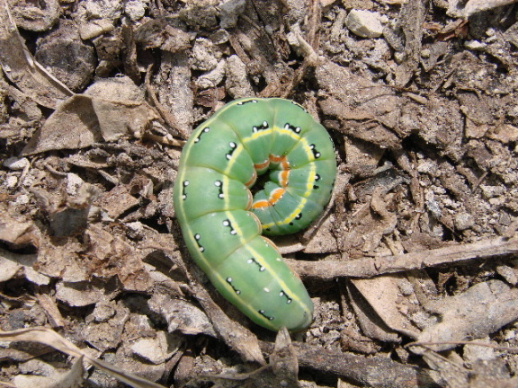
[[222, 224]]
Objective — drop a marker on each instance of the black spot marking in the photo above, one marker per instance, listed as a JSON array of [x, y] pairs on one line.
[[197, 239], [220, 185], [229, 225], [184, 192], [317, 178], [264, 125], [254, 261], [247, 102], [316, 154], [264, 315], [233, 147], [229, 281], [282, 294], [204, 130], [299, 216], [293, 128]]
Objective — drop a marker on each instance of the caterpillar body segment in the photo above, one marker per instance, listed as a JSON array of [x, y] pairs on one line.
[[223, 225]]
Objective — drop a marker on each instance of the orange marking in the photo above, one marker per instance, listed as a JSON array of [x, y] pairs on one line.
[[260, 204], [262, 166], [277, 159], [276, 195], [274, 198], [285, 168], [285, 178], [252, 180], [282, 160]]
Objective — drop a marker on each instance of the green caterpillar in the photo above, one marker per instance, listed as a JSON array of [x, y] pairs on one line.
[[222, 224]]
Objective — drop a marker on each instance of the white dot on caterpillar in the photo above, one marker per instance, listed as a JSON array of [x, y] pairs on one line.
[[197, 236], [226, 222], [261, 269], [204, 130], [218, 183], [229, 280], [264, 314], [266, 289]]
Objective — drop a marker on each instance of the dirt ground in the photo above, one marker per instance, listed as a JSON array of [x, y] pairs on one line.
[[413, 267]]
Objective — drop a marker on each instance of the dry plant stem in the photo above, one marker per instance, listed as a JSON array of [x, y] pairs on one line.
[[222, 377], [406, 161], [236, 336], [51, 309], [310, 56], [379, 372], [471, 343], [369, 267], [167, 139], [164, 114]]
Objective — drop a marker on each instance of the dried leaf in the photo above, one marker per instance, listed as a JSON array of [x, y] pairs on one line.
[[82, 120], [71, 379], [21, 68], [481, 310], [51, 338]]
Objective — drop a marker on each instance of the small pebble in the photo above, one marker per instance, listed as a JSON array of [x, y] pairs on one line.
[[11, 181], [74, 183], [15, 163], [365, 24], [464, 221], [474, 45]]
